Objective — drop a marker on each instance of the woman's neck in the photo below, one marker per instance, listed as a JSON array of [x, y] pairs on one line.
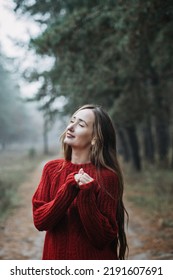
[[80, 157]]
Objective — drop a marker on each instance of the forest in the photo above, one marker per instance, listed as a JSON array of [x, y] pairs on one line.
[[114, 53]]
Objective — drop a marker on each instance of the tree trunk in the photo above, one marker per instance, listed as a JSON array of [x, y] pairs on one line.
[[162, 115], [124, 148], [134, 144], [161, 109], [3, 145], [172, 154], [149, 150], [45, 137], [162, 136]]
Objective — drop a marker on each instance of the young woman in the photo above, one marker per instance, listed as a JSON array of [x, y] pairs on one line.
[[79, 199]]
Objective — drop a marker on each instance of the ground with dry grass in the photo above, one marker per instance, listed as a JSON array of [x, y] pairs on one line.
[[149, 201]]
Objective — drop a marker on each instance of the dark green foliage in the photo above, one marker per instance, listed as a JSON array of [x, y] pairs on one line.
[[115, 53]]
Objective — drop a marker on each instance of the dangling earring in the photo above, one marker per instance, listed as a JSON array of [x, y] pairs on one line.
[[93, 142]]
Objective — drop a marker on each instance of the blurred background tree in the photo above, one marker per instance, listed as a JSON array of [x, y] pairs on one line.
[[15, 122], [114, 53]]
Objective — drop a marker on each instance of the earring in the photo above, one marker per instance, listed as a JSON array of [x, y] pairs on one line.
[[93, 142]]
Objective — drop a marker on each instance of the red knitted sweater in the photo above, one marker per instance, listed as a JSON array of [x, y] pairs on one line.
[[80, 223]]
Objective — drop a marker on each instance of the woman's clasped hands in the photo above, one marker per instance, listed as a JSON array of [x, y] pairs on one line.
[[82, 178]]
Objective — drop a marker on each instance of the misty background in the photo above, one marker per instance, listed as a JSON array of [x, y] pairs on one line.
[[22, 123]]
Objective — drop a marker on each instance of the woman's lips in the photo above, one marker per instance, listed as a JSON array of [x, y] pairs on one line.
[[70, 135]]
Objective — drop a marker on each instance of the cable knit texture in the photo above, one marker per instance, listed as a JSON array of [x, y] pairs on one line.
[[80, 224]]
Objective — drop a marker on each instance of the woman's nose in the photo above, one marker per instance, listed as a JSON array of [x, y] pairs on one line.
[[70, 127]]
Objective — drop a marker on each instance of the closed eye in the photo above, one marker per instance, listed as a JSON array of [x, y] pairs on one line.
[[81, 125], [81, 122]]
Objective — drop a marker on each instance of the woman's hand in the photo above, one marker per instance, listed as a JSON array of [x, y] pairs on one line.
[[82, 178]]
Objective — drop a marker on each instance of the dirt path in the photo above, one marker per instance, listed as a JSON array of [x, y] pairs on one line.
[[20, 240], [18, 237], [136, 235], [148, 237]]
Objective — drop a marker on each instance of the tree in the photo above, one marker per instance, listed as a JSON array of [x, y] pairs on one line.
[[15, 124]]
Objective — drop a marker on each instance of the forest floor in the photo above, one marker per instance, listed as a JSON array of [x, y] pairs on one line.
[[19, 240]]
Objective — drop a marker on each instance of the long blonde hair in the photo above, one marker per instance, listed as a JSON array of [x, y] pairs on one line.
[[103, 154]]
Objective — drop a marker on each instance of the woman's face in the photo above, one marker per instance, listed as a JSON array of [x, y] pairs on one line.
[[79, 132]]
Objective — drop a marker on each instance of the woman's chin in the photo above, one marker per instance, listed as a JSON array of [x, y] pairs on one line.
[[68, 141]]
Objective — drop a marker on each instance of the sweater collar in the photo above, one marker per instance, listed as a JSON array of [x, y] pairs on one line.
[[76, 166]]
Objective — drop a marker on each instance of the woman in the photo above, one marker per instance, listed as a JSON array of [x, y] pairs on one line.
[[79, 199]]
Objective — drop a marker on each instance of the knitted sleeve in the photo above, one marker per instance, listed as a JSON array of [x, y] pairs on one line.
[[98, 211], [47, 213]]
